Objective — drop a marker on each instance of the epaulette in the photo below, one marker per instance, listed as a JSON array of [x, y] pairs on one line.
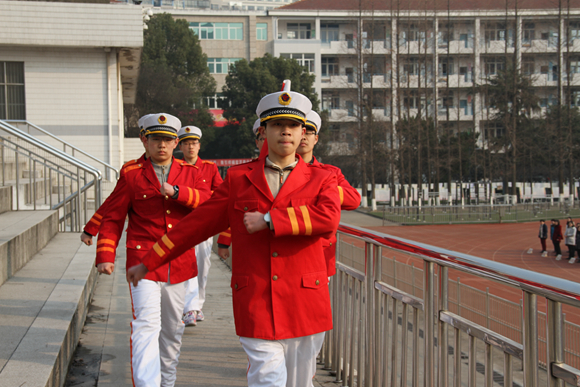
[[180, 161], [132, 167], [207, 162], [130, 162]]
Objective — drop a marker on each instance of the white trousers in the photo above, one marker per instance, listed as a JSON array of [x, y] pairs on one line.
[[195, 294], [156, 332], [282, 363]]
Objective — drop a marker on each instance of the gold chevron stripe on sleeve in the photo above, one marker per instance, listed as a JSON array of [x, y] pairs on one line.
[[167, 242], [196, 199], [307, 222], [158, 250], [341, 194], [293, 221], [105, 241]]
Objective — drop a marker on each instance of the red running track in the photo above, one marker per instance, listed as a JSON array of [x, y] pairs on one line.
[[505, 243]]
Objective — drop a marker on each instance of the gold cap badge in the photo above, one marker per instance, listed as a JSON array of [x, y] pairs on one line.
[[284, 99]]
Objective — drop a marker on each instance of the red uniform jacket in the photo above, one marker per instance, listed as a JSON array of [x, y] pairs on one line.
[[349, 200], [151, 215], [93, 225], [279, 280], [209, 174]]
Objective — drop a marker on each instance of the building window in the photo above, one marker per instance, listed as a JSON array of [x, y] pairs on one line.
[[445, 34], [494, 64], [262, 31], [494, 31], [330, 101], [329, 66], [494, 130], [575, 98], [298, 31], [528, 66], [217, 101], [445, 67], [305, 60], [411, 67], [220, 65], [218, 31], [467, 106], [574, 66], [12, 101], [528, 34], [411, 101], [329, 33], [573, 32]]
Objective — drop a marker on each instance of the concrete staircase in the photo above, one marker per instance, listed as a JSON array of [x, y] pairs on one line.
[[46, 284]]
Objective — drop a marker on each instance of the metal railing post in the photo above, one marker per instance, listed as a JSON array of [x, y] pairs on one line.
[[443, 333], [377, 266], [530, 339], [554, 340], [370, 305], [429, 299]]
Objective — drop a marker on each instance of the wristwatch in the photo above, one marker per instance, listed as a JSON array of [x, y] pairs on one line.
[[267, 219], [176, 194]]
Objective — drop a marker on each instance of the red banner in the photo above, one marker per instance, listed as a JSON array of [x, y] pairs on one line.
[[229, 162]]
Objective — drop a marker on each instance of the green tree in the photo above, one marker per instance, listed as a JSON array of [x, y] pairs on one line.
[[513, 98], [174, 76], [246, 84]]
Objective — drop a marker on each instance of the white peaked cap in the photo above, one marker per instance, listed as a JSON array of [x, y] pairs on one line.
[[189, 132], [141, 122], [257, 124], [162, 124], [284, 104], [314, 121]]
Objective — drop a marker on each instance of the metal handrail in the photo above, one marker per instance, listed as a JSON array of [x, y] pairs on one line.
[[370, 342], [76, 171], [65, 144], [48, 148]]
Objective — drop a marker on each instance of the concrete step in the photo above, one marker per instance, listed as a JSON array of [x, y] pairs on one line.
[[42, 311], [5, 199], [22, 235]]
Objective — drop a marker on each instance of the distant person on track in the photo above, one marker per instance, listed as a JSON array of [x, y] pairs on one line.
[[556, 236], [578, 241], [543, 235], [571, 241]]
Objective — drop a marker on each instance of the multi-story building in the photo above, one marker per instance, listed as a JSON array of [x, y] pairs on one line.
[[413, 61]]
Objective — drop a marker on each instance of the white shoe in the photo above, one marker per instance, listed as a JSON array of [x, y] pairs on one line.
[[558, 257], [572, 260], [545, 254], [530, 250], [189, 318]]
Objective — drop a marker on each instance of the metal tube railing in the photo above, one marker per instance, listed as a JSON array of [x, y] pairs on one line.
[[383, 351], [70, 173], [67, 144]]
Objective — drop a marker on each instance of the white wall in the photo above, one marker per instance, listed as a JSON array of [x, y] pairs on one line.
[[66, 94]]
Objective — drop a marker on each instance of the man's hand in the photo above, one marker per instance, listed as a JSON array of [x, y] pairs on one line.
[[223, 253], [106, 268], [136, 273], [254, 222], [167, 189], [86, 239]]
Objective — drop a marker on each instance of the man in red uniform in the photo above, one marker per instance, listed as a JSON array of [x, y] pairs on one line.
[[280, 210], [189, 144], [91, 229], [349, 196], [156, 194]]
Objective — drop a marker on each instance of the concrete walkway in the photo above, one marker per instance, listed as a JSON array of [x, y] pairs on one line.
[[211, 354]]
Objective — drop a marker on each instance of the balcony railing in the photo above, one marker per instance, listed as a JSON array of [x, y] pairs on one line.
[[390, 319]]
